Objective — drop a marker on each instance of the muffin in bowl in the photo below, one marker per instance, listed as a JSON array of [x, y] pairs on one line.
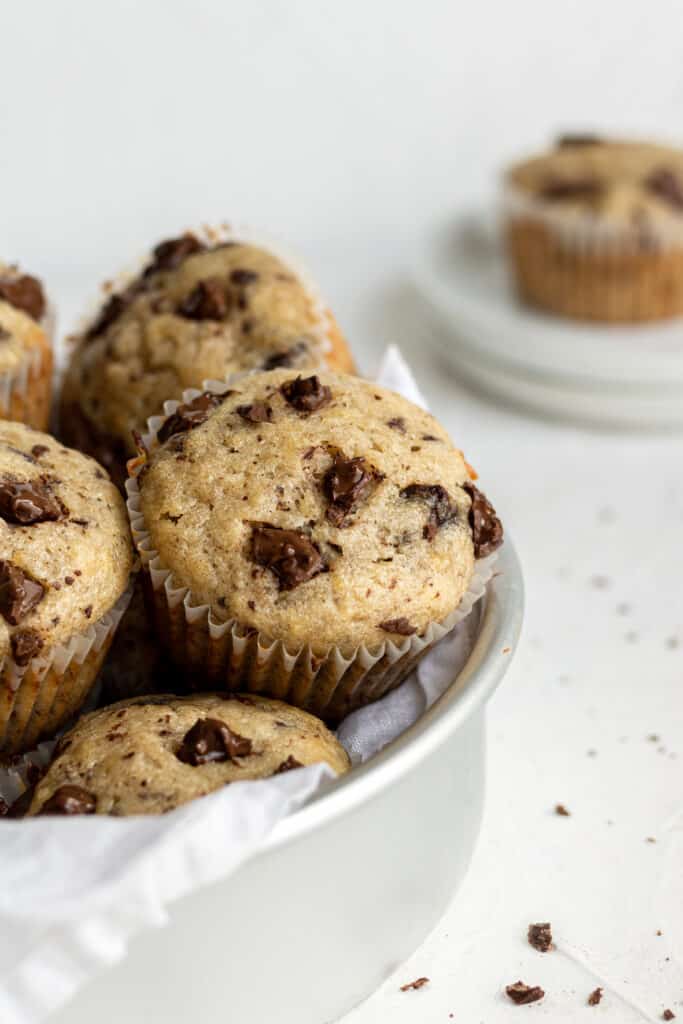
[[25, 349]]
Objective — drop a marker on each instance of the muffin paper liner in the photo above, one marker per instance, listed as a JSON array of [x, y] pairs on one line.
[[230, 655], [26, 390], [36, 700]]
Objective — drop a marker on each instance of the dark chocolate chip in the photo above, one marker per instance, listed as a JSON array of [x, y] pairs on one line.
[[38, 450], [306, 394], [110, 312], [209, 740], [487, 529], [289, 554], [596, 997], [398, 423], [287, 766], [207, 301], [87, 611], [242, 277], [170, 254], [571, 188], [347, 482], [27, 502], [257, 412], [25, 293], [191, 415], [667, 186], [668, 1014], [540, 936], [287, 358], [521, 994], [70, 800], [585, 139], [19, 593], [441, 509], [401, 626], [26, 643]]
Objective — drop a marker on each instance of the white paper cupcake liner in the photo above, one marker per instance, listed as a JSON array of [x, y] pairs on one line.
[[15, 384]]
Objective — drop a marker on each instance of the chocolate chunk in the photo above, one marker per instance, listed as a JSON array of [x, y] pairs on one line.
[[289, 554], [209, 740], [70, 800], [170, 254], [19, 594], [487, 529], [38, 450], [441, 509], [568, 188], [540, 936], [24, 293], [668, 1015], [287, 766], [306, 394], [521, 994], [25, 503], [258, 412], [667, 186], [287, 358], [191, 415], [207, 301], [398, 423], [401, 626], [569, 141], [243, 277], [595, 997], [418, 983], [110, 312], [346, 483], [26, 643]]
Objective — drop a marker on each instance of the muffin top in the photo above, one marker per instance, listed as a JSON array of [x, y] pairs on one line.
[[316, 509], [22, 307], [65, 552], [151, 754], [195, 313], [627, 183]]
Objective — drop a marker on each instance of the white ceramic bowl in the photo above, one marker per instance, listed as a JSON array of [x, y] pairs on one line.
[[345, 889]]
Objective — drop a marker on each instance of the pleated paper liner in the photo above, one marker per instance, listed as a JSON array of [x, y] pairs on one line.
[[233, 656], [36, 701], [26, 390]]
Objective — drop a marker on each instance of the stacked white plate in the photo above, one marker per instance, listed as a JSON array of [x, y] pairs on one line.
[[612, 375]]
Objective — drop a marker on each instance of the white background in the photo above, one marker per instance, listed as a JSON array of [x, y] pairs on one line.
[[348, 130]]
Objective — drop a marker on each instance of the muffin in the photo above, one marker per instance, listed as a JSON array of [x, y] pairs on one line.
[[200, 309], [25, 350], [594, 230], [150, 755], [307, 537], [65, 563]]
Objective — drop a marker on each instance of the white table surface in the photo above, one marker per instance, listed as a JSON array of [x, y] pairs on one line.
[[598, 520]]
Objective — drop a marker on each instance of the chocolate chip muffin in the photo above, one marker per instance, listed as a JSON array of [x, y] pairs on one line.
[[65, 562], [25, 350], [305, 536], [149, 755], [594, 229], [201, 309]]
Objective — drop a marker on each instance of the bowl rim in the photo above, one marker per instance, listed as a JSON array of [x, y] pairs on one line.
[[500, 623]]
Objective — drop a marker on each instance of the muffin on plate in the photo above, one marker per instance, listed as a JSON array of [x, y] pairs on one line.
[[150, 755], [65, 563], [594, 229], [305, 536], [25, 350], [202, 308]]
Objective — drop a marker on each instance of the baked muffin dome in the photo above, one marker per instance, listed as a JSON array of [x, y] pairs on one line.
[[318, 510], [197, 312], [25, 350], [150, 755]]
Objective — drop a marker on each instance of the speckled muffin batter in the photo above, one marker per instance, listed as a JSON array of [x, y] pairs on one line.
[[25, 351], [149, 755], [195, 313], [65, 560]]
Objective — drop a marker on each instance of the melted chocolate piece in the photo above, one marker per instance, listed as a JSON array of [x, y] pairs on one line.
[[347, 482], [287, 766], [401, 626], [19, 594], [306, 394], [70, 800], [170, 254], [665, 185], [191, 415], [24, 293], [26, 643], [258, 412], [209, 740], [540, 936], [207, 301], [569, 141], [441, 510], [521, 994], [487, 529], [290, 555], [286, 358], [38, 450], [242, 277], [25, 503], [568, 188]]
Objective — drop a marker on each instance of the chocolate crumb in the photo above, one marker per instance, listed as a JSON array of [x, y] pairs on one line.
[[252, 605], [207, 301], [306, 394], [418, 983], [540, 936], [191, 414], [24, 293], [668, 1015], [38, 450], [401, 626], [69, 800], [87, 611], [595, 997], [398, 423], [287, 766], [487, 529], [289, 554], [257, 412], [346, 483], [562, 811], [209, 740], [571, 140], [26, 643], [441, 509], [19, 593], [664, 184], [522, 994], [170, 254]]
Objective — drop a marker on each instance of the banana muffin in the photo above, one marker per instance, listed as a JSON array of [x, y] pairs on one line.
[[308, 536], [199, 310], [65, 563], [594, 229], [150, 755], [25, 350]]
